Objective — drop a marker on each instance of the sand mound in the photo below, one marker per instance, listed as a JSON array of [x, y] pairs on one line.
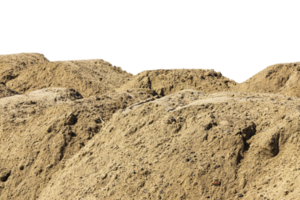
[[220, 146], [280, 78], [40, 130], [29, 72], [88, 130], [11, 65], [166, 82]]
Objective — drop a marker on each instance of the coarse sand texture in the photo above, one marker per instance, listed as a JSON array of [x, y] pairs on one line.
[[86, 129]]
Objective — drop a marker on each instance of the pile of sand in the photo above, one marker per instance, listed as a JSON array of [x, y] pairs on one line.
[[162, 134], [166, 82], [280, 78], [28, 72]]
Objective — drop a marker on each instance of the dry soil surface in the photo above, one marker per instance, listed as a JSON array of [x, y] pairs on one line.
[[88, 130]]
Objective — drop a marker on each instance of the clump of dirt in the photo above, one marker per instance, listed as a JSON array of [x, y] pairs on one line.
[[102, 133]]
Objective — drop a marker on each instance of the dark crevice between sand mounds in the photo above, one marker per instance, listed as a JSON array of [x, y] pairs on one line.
[[246, 133], [149, 82], [275, 146]]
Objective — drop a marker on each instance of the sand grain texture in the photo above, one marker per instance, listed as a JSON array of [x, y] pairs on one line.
[[89, 130]]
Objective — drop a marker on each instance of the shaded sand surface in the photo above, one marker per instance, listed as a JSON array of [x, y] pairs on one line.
[[89, 130]]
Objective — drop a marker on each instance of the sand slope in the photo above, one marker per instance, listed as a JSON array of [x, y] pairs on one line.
[[89, 130]]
